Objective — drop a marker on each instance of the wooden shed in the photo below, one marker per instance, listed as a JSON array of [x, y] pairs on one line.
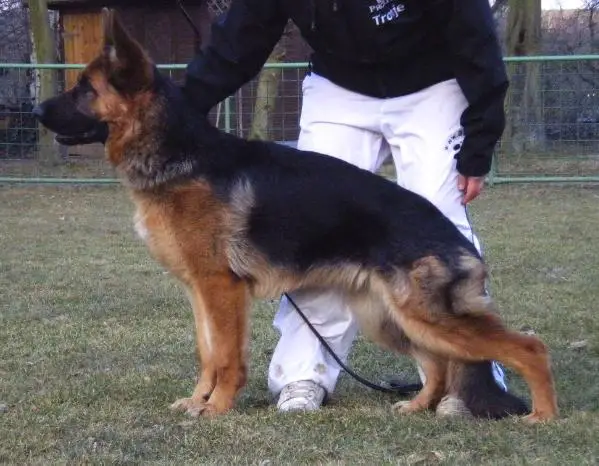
[[158, 25]]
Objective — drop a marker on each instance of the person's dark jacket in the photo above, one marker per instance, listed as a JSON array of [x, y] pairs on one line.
[[380, 48]]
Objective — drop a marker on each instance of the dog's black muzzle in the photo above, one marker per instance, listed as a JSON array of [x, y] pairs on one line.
[[71, 126]]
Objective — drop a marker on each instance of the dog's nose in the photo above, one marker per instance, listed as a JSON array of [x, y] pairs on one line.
[[38, 111]]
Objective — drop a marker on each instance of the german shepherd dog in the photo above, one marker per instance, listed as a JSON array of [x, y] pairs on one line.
[[234, 219]]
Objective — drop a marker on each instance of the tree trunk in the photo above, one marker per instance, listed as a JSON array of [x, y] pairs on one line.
[[525, 129], [266, 95], [43, 52]]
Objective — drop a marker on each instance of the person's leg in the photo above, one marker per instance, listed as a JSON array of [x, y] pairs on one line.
[[338, 123], [424, 133]]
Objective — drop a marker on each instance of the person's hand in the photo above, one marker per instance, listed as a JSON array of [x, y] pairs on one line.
[[470, 186]]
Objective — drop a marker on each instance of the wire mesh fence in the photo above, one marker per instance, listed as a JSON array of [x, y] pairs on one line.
[[552, 131], [552, 128]]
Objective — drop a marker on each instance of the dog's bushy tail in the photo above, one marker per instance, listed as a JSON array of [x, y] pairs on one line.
[[475, 385]]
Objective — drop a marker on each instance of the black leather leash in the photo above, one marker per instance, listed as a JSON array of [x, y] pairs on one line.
[[388, 387]]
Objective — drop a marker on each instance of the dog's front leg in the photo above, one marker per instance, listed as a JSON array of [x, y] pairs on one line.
[[220, 305]]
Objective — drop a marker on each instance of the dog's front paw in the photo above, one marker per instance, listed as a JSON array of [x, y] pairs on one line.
[[194, 407]]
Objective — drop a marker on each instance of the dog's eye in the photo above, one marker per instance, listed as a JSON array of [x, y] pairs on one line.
[[83, 88]]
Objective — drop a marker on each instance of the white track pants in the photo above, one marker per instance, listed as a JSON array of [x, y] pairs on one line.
[[422, 133]]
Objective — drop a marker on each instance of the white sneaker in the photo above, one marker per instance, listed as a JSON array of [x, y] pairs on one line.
[[304, 395]]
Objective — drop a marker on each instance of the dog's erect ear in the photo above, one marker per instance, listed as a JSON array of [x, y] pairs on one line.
[[130, 68]]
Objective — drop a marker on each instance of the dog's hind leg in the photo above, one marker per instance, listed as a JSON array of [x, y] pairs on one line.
[[377, 323], [220, 302], [434, 368], [480, 337]]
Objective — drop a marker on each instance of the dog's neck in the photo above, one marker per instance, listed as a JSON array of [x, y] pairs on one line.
[[162, 144]]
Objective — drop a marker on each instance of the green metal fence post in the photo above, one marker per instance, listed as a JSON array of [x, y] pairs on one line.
[[228, 126], [493, 171]]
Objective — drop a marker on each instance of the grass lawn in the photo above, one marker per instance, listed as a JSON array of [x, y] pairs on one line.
[[96, 341]]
